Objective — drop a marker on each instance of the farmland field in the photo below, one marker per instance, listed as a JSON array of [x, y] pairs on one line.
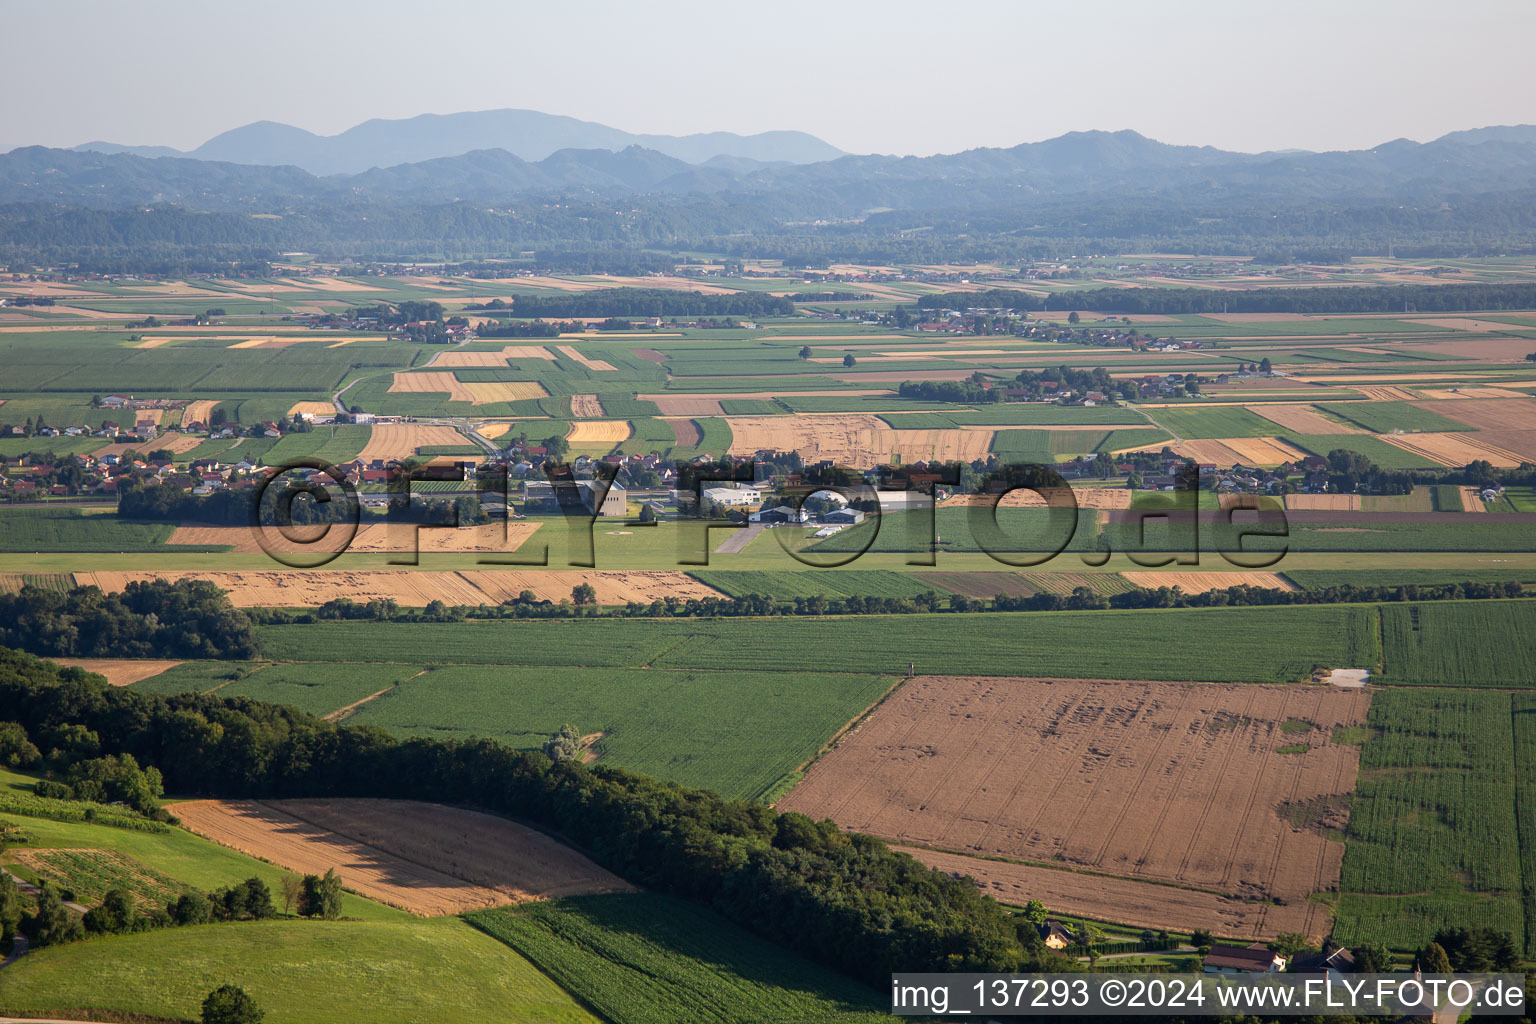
[[1277, 644], [1044, 771], [1433, 839], [651, 959], [789, 584], [1473, 643], [739, 732], [1390, 417], [65, 529]]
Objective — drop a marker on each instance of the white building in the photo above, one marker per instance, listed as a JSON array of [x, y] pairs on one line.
[[733, 495]]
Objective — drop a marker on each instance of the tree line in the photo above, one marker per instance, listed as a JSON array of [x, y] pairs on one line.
[[609, 302], [149, 619], [843, 900], [1421, 298]]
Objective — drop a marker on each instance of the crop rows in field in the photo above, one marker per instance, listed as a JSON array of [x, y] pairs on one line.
[[1455, 643], [743, 734], [90, 874], [1010, 531], [1495, 533], [1217, 421], [788, 584], [644, 958], [1268, 644], [1391, 417], [32, 530], [1433, 839], [1387, 456], [1317, 579], [334, 444], [1523, 727]]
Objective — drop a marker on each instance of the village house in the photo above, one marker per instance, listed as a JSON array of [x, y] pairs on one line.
[[1255, 959]]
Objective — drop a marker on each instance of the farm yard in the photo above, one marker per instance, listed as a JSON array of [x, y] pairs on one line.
[[943, 764]]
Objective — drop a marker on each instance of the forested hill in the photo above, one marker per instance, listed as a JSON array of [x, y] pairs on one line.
[[1472, 192]]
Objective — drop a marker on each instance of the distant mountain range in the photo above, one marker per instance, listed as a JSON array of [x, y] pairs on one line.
[[1123, 165], [527, 134]]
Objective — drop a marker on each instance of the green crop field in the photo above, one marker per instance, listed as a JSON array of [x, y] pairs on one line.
[[1432, 839], [1387, 456], [1217, 421], [1010, 414], [1014, 530], [422, 970], [64, 529], [1274, 644], [1497, 533], [1387, 417], [643, 958], [787, 584], [1472, 643], [740, 733], [334, 444], [1316, 579], [1523, 726]]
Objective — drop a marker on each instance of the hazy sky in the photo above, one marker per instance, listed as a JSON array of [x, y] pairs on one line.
[[888, 76]]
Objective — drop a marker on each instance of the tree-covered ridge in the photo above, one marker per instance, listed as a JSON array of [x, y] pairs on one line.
[[1355, 299], [845, 901], [149, 619]]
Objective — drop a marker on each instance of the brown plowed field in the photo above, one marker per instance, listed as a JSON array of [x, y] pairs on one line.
[[294, 588], [400, 440], [1509, 413], [854, 439], [1303, 419], [687, 432], [587, 407], [1140, 904], [686, 405], [1453, 449], [1516, 442], [425, 858], [120, 671], [1166, 782], [1200, 582], [1324, 502]]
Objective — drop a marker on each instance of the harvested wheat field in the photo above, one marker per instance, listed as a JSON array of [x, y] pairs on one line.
[[485, 392], [1200, 582], [430, 382], [858, 440], [1177, 783], [1471, 499], [1461, 394], [1382, 394], [373, 537], [1453, 449], [1139, 904], [591, 364], [152, 342], [1511, 412], [1227, 451], [613, 587], [400, 440], [197, 412], [308, 588], [173, 442], [425, 858], [1086, 497], [1323, 502], [1303, 419], [598, 432], [120, 671], [312, 409], [586, 407]]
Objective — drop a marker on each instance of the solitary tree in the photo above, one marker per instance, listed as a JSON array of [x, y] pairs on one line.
[[564, 745], [805, 352], [1073, 318], [230, 1005], [848, 359], [583, 594]]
